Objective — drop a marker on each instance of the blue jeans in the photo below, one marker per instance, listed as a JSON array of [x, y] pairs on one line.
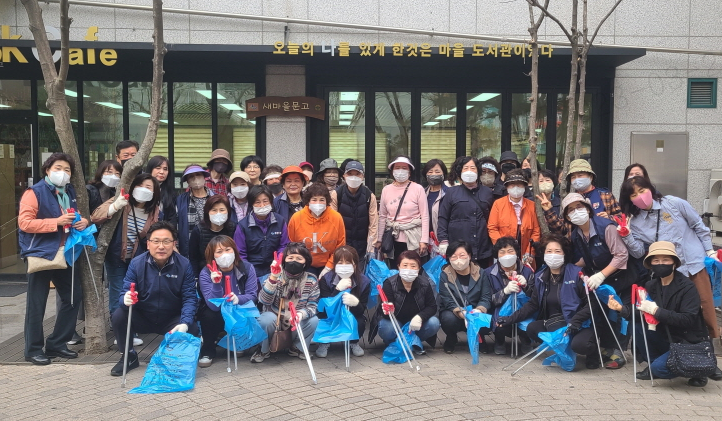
[[658, 352], [116, 274], [428, 329]]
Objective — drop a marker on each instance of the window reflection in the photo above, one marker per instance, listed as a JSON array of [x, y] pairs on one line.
[[47, 137], [236, 133], [393, 130], [520, 107], [562, 115], [438, 127], [15, 95], [103, 121], [139, 97], [346, 125], [483, 124], [192, 135]]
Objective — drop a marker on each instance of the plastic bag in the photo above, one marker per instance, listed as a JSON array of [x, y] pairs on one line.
[[475, 321], [339, 325], [77, 240], [560, 344], [394, 353], [241, 323], [603, 292], [433, 269], [377, 272], [714, 268], [507, 309], [173, 366]]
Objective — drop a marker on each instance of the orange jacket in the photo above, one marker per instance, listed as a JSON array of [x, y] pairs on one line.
[[321, 236], [503, 223]]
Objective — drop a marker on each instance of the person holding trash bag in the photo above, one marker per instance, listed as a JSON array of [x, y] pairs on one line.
[[674, 301], [222, 260], [508, 265], [559, 299], [165, 297], [44, 223], [289, 281], [216, 221], [346, 275], [461, 283], [411, 295]]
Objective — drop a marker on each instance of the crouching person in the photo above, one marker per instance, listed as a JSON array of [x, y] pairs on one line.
[[165, 297], [289, 281]]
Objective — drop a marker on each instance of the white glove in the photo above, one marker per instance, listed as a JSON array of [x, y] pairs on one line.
[[301, 315], [442, 248], [511, 288], [128, 298], [344, 284], [521, 280], [119, 204], [323, 272], [648, 306], [232, 298], [349, 300], [415, 324], [712, 254], [180, 328], [595, 280]]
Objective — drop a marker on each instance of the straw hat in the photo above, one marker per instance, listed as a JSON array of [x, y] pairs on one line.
[[662, 248]]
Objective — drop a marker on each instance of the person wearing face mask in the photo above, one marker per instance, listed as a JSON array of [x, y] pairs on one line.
[[262, 232], [358, 208], [346, 275], [675, 303], [652, 218], [559, 299], [411, 295], [582, 179], [318, 227], [125, 150], [102, 188], [515, 217], [435, 172], [548, 192], [293, 181], [190, 204], [211, 283], [508, 161], [461, 283], [216, 221], [307, 169], [289, 280], [490, 177], [329, 174], [504, 283], [404, 210], [271, 178], [159, 167], [238, 195], [219, 165]]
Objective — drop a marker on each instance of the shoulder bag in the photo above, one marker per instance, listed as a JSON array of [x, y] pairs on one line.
[[387, 239], [691, 360], [281, 339], [36, 264]]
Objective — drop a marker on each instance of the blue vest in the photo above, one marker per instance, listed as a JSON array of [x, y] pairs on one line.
[[596, 254], [568, 291], [260, 246], [596, 200], [496, 279], [45, 245]]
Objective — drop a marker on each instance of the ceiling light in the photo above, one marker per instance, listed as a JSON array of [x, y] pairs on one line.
[[42, 114], [483, 97], [166, 122], [344, 123], [347, 108], [209, 94], [232, 107], [146, 115], [74, 94], [453, 110], [444, 117], [349, 96], [243, 115], [5, 106], [251, 121], [345, 117], [110, 105], [431, 123]]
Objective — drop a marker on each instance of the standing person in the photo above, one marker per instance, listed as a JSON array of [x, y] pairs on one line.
[[636, 170], [329, 174], [290, 280], [435, 173], [190, 204], [463, 282], [404, 209], [293, 180], [253, 165], [216, 221], [124, 150], [548, 190], [464, 212], [357, 206], [271, 178], [653, 218], [454, 178], [106, 179], [238, 195], [307, 168], [515, 216], [41, 219], [262, 233], [583, 180], [159, 167], [222, 250], [164, 300], [319, 228], [219, 165], [346, 274], [491, 176], [508, 161]]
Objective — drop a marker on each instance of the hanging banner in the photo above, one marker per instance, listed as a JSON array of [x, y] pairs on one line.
[[292, 106]]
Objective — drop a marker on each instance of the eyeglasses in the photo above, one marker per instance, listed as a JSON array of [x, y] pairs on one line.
[[459, 256], [253, 167], [158, 242]]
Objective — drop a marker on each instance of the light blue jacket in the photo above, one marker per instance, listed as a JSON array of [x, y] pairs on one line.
[[680, 224]]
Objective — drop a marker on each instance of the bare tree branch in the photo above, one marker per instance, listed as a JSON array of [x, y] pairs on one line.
[[545, 10], [596, 31], [64, 41]]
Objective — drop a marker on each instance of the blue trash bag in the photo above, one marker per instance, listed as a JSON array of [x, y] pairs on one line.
[[173, 366], [560, 344], [77, 240], [240, 321], [339, 325], [525, 323], [475, 321], [394, 353], [377, 272], [433, 269], [714, 268], [603, 292], [507, 309]]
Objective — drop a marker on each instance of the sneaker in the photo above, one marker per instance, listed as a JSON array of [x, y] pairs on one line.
[[258, 356], [77, 339], [500, 348], [697, 382], [615, 360], [117, 369], [321, 351], [356, 350], [205, 362], [295, 352], [418, 351], [449, 347], [136, 341]]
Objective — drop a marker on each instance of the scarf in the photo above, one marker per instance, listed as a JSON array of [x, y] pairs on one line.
[[63, 198]]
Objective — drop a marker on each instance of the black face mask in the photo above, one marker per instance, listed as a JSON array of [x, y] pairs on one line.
[[505, 168], [527, 173], [294, 268], [435, 180], [276, 188], [123, 161], [220, 167], [662, 271]]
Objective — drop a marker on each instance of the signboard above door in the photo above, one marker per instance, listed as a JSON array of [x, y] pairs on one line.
[[292, 106]]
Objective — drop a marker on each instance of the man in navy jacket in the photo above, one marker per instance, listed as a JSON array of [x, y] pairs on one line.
[[165, 297]]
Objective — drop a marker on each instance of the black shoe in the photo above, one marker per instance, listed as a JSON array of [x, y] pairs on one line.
[[644, 374], [500, 348], [117, 369], [484, 348], [525, 348], [449, 347], [418, 351], [40, 359], [717, 376], [62, 353], [697, 382], [592, 363]]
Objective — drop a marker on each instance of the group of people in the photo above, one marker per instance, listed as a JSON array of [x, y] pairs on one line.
[[296, 235]]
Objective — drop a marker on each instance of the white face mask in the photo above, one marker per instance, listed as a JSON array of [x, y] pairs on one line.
[[581, 183], [401, 175], [460, 264], [469, 177], [344, 270], [59, 178], [579, 216], [142, 194], [554, 261], [263, 210], [218, 218], [196, 183], [317, 208], [354, 182], [239, 191], [516, 192], [225, 260], [546, 187], [111, 180], [508, 260], [408, 275]]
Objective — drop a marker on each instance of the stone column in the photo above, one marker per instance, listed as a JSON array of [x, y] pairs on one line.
[[285, 136]]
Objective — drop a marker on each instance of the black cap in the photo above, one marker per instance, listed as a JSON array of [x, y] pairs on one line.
[[509, 156], [354, 165]]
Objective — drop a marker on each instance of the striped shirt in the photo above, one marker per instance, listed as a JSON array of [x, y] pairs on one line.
[[136, 221], [270, 296]]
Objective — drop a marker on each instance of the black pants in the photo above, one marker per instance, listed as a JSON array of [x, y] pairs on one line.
[[452, 325], [37, 298], [211, 326], [141, 323], [398, 249], [583, 342]]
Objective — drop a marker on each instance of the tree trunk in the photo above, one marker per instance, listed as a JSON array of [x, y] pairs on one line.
[[571, 98], [582, 82]]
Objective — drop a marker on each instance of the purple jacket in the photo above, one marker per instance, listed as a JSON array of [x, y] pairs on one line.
[[243, 283]]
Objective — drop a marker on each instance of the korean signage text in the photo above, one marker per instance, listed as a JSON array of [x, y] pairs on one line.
[[456, 50], [295, 106]]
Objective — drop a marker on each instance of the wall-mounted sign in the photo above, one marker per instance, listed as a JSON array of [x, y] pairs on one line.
[[292, 106], [76, 56], [457, 50]]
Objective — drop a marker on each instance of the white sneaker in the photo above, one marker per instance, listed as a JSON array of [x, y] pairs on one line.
[[136, 341], [357, 350], [205, 362], [322, 350]]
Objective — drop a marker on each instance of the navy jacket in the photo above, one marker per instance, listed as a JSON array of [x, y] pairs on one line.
[[257, 248], [461, 217], [361, 289], [165, 292], [282, 207], [182, 214], [45, 245], [498, 281]]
